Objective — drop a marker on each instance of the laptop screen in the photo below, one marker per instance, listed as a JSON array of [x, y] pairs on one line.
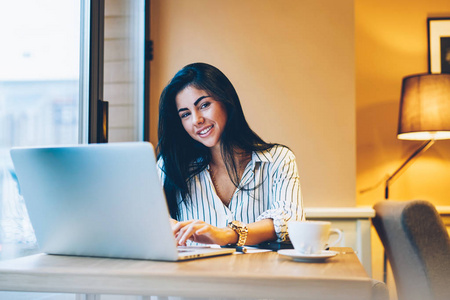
[[96, 200]]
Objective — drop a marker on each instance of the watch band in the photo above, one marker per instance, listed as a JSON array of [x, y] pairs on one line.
[[242, 231]]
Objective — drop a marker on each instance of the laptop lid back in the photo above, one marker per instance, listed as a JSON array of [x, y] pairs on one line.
[[96, 200]]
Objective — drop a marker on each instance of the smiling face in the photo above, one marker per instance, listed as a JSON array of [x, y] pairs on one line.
[[203, 117]]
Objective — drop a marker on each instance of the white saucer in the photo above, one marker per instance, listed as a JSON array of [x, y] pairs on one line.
[[318, 257]]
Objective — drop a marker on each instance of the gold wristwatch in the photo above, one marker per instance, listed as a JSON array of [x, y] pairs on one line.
[[242, 231]]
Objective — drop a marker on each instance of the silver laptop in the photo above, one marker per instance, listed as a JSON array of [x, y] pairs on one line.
[[102, 200]]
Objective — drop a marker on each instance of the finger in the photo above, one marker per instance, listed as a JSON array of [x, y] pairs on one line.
[[191, 229], [179, 235], [177, 227], [186, 233], [203, 230]]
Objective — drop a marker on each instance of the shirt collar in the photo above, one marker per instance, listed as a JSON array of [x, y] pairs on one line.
[[263, 156]]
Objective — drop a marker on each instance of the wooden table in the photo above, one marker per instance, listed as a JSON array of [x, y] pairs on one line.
[[258, 275]]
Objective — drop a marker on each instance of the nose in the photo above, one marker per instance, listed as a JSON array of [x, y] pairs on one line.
[[198, 119]]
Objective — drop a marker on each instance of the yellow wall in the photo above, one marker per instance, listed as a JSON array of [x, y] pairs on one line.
[[292, 63], [390, 43]]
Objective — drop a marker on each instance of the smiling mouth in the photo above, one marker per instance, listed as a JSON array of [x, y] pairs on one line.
[[206, 130]]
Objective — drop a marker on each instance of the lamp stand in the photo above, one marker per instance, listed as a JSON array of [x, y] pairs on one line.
[[424, 147]]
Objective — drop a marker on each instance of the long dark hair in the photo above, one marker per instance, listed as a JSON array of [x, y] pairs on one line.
[[184, 157]]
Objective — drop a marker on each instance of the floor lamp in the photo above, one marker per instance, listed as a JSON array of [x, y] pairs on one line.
[[424, 116]]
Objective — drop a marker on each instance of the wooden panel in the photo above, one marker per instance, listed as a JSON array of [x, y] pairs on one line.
[[119, 93], [117, 49], [122, 135], [117, 27], [121, 72], [118, 72], [122, 116], [117, 7]]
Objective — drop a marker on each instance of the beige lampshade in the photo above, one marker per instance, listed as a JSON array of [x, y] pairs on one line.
[[425, 107]]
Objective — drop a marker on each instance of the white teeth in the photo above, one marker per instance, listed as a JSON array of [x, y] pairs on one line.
[[206, 130]]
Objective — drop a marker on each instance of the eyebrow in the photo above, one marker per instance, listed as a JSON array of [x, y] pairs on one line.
[[195, 103]]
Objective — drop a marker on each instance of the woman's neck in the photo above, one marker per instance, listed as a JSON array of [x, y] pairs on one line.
[[216, 158], [241, 159]]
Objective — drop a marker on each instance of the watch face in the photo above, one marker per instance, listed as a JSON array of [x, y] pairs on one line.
[[239, 227], [242, 231], [237, 224]]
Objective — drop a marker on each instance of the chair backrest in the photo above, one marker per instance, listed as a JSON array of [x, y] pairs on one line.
[[417, 246]]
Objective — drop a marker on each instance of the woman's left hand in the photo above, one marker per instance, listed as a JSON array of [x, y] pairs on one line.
[[201, 232]]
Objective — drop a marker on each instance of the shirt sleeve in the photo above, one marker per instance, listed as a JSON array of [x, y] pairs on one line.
[[286, 203]]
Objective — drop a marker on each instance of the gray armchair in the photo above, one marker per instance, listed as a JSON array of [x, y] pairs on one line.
[[418, 248]]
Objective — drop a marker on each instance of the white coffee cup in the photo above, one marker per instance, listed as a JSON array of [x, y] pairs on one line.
[[312, 237]]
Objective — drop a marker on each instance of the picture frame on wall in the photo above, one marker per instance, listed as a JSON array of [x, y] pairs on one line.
[[438, 45]]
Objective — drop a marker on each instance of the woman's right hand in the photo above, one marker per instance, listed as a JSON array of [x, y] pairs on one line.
[[204, 233]]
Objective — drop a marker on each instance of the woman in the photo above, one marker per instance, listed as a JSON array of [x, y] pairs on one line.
[[223, 183]]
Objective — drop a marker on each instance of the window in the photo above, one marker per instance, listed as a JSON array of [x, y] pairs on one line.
[[39, 94], [47, 85]]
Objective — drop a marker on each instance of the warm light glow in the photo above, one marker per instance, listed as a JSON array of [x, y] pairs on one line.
[[424, 135]]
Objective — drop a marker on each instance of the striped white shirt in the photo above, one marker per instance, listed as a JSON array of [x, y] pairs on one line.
[[271, 189]]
